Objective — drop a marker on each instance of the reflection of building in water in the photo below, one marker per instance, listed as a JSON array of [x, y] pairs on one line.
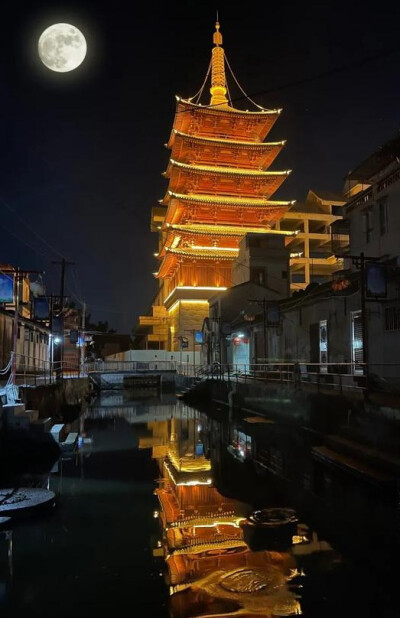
[[211, 570]]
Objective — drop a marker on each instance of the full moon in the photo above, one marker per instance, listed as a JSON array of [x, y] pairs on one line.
[[62, 47]]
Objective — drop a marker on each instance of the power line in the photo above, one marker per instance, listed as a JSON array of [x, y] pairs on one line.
[[305, 80], [43, 240]]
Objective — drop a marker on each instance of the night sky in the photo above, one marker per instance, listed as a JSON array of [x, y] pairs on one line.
[[82, 152]]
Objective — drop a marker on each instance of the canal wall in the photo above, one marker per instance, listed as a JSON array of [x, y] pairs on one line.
[[60, 400], [369, 417]]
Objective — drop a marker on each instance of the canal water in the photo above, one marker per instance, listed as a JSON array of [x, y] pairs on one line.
[[166, 510]]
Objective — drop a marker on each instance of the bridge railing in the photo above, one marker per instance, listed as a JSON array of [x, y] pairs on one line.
[[129, 366]]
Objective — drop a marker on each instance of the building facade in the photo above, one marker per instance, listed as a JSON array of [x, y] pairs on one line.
[[351, 322], [312, 259]]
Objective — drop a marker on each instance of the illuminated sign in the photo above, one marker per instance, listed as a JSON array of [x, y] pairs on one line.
[[41, 308], [6, 288], [375, 280], [273, 315], [198, 336]]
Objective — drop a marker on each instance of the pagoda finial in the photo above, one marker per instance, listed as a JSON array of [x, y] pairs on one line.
[[218, 79]]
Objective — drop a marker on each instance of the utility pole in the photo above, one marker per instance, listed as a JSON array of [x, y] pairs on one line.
[[263, 304], [193, 331], [15, 331], [60, 349], [83, 346], [64, 263]]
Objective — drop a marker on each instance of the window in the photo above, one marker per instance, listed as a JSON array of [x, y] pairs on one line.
[[257, 275], [392, 318], [367, 225], [323, 345], [383, 217]]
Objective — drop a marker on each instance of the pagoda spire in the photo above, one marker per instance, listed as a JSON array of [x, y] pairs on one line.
[[218, 79]]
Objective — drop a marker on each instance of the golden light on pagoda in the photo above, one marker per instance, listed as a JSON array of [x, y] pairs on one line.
[[220, 188]]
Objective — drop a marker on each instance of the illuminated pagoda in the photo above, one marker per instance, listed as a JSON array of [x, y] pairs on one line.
[[220, 189]]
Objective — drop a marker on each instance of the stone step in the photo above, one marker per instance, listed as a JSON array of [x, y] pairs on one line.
[[58, 432], [377, 458], [352, 466], [70, 440], [33, 415], [375, 433], [42, 425]]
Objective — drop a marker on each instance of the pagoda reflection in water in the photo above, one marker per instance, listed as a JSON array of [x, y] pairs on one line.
[[211, 570]]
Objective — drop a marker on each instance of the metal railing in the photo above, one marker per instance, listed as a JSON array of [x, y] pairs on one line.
[[322, 376], [34, 371], [129, 366]]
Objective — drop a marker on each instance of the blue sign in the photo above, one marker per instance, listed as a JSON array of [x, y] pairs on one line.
[[41, 308], [6, 288], [375, 275], [273, 315], [198, 336]]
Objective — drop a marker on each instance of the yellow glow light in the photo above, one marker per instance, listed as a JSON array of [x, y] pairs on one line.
[[235, 171], [232, 249], [234, 523], [193, 483], [188, 301], [193, 287]]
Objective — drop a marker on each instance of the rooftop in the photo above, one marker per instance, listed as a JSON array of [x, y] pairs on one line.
[[377, 161]]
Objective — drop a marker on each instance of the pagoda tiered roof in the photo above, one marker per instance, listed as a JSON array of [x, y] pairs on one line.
[[205, 150], [186, 178], [232, 210], [222, 121], [220, 200], [173, 257], [225, 230]]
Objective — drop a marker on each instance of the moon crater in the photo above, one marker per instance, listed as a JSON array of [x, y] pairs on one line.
[[62, 47]]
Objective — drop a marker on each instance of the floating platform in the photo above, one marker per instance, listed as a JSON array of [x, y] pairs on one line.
[[24, 500]]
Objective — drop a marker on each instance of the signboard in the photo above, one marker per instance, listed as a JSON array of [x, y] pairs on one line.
[[375, 280], [41, 308], [149, 320], [184, 343], [226, 328], [6, 288], [273, 315], [159, 311], [57, 324], [198, 336], [73, 336], [241, 349]]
